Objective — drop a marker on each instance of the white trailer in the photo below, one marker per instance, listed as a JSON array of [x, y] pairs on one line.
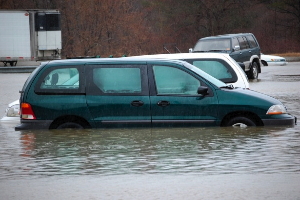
[[29, 35]]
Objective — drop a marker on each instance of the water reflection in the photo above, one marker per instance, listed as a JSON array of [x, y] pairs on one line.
[[173, 151]]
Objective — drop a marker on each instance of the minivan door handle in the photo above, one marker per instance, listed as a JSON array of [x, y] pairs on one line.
[[137, 103], [163, 103]]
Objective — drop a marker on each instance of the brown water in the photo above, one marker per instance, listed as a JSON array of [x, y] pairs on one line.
[[161, 163], [201, 151]]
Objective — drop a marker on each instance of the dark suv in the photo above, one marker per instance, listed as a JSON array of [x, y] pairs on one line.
[[242, 47]]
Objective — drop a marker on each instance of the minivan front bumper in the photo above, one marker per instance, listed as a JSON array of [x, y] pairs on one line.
[[287, 121]]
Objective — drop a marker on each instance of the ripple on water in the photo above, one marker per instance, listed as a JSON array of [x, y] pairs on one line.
[[150, 151]]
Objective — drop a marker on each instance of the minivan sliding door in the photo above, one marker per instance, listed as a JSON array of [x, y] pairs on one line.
[[118, 95]]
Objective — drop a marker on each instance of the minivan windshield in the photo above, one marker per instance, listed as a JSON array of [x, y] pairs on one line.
[[213, 45], [208, 77]]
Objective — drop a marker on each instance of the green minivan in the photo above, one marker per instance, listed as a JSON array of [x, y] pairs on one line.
[[125, 92]]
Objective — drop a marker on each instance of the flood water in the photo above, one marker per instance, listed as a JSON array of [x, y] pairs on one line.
[[159, 163]]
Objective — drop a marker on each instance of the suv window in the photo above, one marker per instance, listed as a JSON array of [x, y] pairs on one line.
[[251, 41], [216, 68], [213, 45], [235, 42], [170, 80], [59, 80], [243, 42]]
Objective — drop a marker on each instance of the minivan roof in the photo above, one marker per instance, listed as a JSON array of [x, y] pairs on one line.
[[112, 60]]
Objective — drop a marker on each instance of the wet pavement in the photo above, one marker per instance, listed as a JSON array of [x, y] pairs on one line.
[[161, 163]]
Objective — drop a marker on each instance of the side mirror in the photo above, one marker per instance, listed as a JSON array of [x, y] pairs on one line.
[[191, 50], [202, 90], [237, 48]]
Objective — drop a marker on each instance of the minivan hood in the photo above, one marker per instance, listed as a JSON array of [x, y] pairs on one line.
[[242, 96]]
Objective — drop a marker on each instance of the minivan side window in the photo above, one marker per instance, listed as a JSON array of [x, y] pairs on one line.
[[171, 80], [59, 80], [118, 80], [251, 41]]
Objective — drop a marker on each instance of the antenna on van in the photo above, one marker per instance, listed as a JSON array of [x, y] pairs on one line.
[[172, 45]]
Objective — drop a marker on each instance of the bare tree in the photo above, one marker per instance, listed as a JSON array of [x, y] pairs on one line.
[[134, 27]]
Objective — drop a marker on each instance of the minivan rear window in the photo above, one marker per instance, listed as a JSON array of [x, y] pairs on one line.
[[59, 80], [66, 78]]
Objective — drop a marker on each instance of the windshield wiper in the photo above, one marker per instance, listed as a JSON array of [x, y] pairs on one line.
[[216, 50]]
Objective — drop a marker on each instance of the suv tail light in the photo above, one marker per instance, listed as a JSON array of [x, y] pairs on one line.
[[27, 112]]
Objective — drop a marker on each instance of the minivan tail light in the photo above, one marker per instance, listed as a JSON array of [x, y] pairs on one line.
[[27, 112]]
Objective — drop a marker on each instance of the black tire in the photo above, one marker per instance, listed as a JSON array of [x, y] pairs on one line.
[[264, 63], [253, 72], [12, 63], [241, 122], [70, 125]]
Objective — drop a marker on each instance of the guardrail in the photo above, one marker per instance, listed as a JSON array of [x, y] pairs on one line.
[[23, 69]]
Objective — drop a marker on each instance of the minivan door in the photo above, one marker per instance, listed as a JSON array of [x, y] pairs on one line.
[[174, 99], [118, 95]]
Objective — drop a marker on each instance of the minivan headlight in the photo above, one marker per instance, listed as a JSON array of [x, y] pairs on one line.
[[276, 110]]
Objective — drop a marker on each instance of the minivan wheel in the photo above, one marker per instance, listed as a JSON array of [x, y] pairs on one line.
[[70, 125], [253, 72], [240, 122]]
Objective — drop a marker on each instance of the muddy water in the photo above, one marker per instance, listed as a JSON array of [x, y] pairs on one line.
[[200, 151], [173, 163]]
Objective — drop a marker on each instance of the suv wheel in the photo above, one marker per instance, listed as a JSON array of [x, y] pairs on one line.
[[253, 72]]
